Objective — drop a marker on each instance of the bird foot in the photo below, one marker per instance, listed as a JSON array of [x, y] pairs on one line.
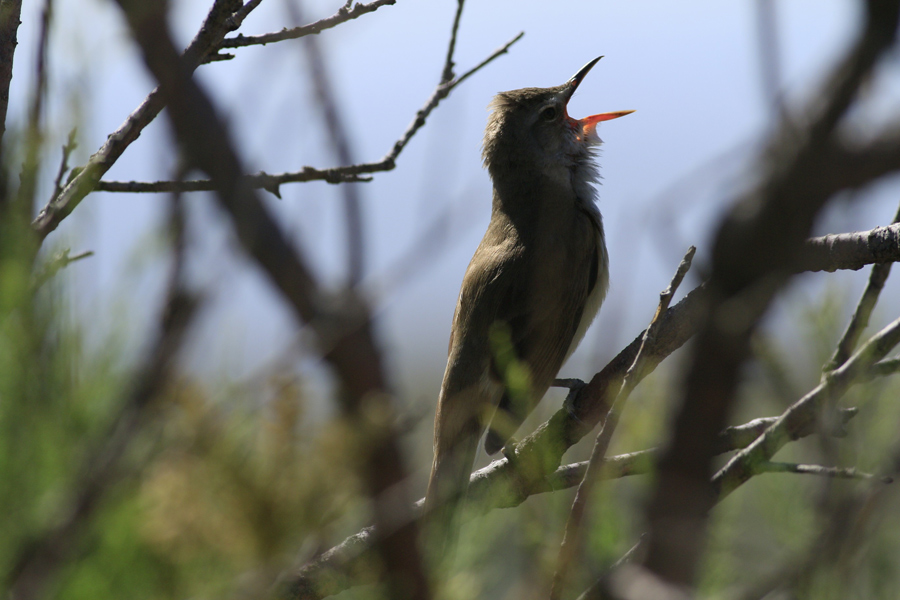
[[509, 450], [575, 386]]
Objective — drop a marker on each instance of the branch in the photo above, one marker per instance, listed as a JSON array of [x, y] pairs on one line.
[[820, 470], [864, 308], [850, 251], [804, 412], [571, 537], [333, 175], [67, 149], [56, 264], [219, 21], [346, 13]]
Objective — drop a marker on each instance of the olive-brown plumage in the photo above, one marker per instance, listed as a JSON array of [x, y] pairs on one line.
[[533, 286]]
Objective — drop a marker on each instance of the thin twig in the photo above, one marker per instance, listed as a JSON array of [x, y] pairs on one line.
[[860, 319], [56, 264], [341, 16], [822, 471], [571, 538], [333, 175], [67, 149], [447, 73]]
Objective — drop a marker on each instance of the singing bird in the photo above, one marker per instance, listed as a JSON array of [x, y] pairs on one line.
[[533, 286]]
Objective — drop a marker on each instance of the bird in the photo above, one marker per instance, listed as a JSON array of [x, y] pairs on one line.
[[533, 286]]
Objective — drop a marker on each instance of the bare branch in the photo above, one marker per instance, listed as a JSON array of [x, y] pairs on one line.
[[571, 538], [447, 73], [56, 264], [850, 251], [67, 149], [261, 180], [346, 13], [333, 175], [218, 22]]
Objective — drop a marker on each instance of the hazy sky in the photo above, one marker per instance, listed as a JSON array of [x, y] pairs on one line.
[[690, 69]]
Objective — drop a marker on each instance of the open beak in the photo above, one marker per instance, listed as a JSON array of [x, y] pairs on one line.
[[589, 124]]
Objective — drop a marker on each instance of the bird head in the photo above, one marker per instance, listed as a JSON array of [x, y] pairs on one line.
[[531, 128]]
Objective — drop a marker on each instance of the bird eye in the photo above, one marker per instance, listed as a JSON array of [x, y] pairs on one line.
[[549, 113]]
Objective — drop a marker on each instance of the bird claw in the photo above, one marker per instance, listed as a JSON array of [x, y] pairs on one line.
[[509, 450], [575, 386]]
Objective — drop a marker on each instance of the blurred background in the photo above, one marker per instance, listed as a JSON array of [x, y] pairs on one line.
[[705, 96]]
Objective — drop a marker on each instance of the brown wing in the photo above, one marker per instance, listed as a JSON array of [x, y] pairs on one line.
[[545, 322], [468, 392]]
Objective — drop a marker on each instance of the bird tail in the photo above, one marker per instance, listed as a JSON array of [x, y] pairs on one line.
[[447, 487]]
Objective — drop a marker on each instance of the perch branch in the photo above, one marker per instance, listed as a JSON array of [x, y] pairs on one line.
[[571, 538]]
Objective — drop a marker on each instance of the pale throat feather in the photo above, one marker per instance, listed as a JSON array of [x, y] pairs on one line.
[[584, 177]]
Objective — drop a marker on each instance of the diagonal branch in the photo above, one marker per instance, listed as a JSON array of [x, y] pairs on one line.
[[860, 319], [219, 21], [572, 535]]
